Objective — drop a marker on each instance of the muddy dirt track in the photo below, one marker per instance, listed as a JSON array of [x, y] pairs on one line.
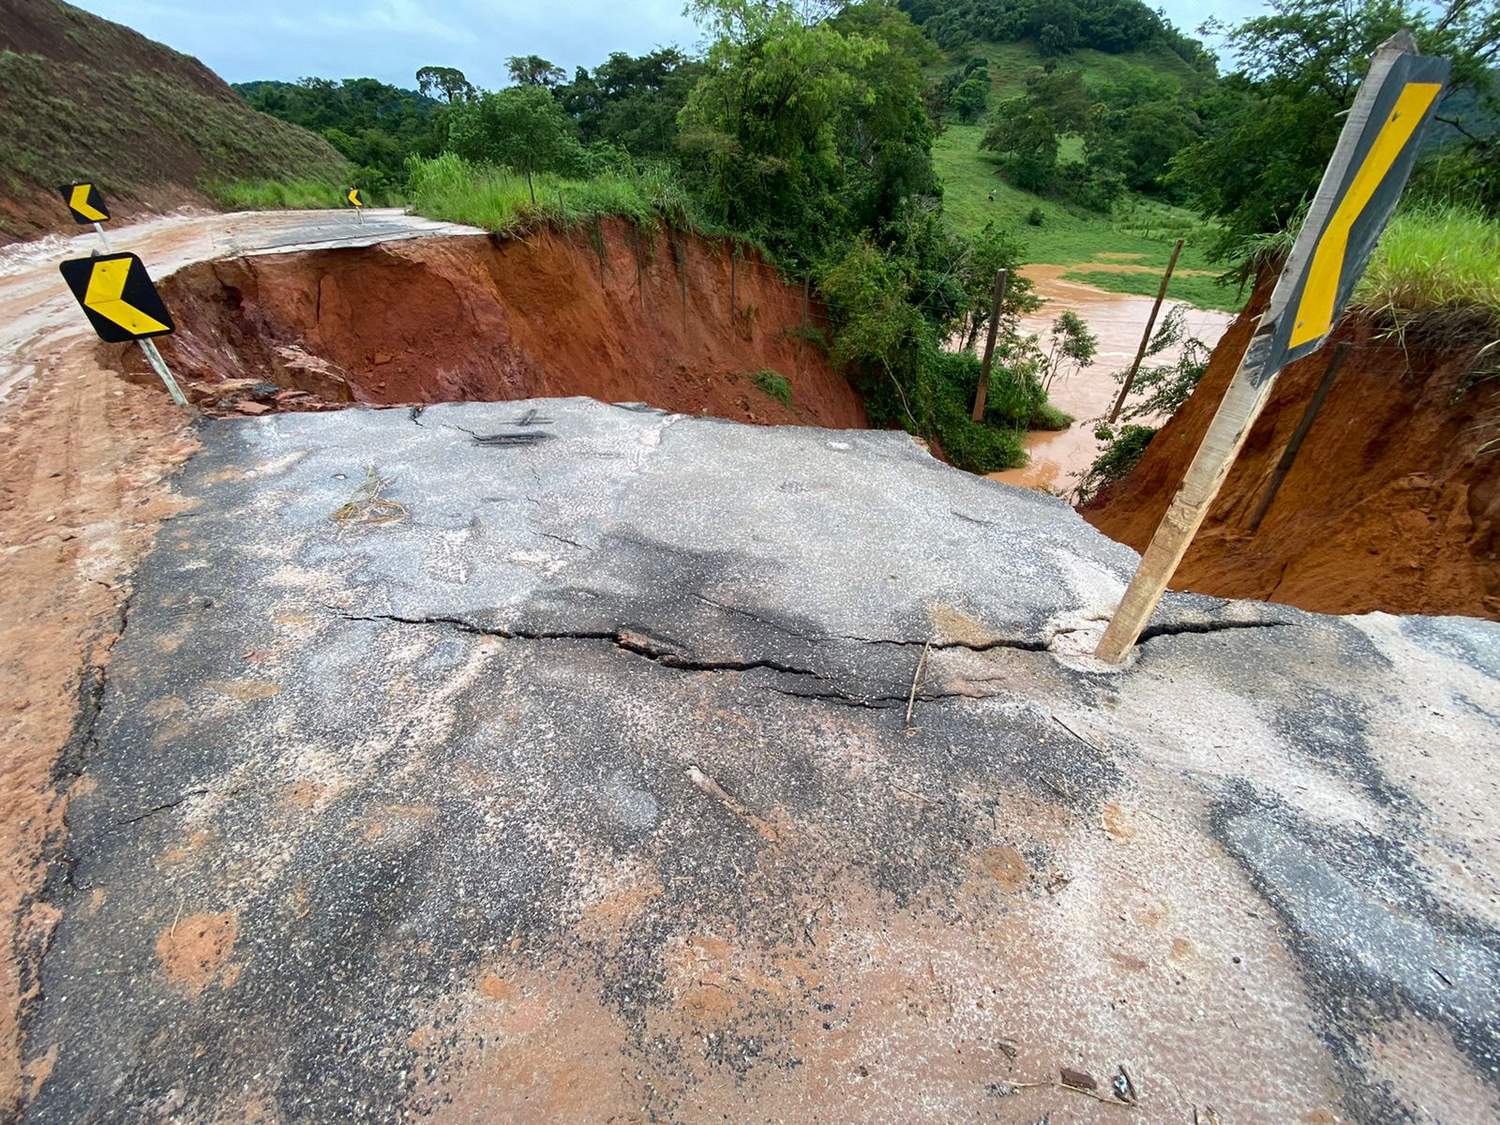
[[437, 774]]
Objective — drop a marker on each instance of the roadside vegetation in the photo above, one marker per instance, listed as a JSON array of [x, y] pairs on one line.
[[276, 195]]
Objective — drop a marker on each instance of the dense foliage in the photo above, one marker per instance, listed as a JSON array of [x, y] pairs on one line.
[[374, 125], [1057, 26], [1270, 127]]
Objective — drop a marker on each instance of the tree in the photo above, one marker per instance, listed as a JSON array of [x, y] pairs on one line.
[[1025, 136], [1271, 127], [446, 82], [969, 99], [533, 70], [632, 101], [522, 127]]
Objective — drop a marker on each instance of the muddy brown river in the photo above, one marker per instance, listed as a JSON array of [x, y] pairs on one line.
[[1057, 457]]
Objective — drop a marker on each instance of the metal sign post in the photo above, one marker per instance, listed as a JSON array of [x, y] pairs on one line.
[[121, 302], [1363, 181]]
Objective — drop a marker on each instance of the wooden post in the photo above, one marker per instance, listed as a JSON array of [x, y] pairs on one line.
[[1358, 193], [1140, 354], [1289, 457], [997, 299], [1243, 400]]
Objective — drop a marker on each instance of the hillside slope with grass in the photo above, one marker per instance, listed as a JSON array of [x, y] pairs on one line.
[[1123, 251], [84, 98]]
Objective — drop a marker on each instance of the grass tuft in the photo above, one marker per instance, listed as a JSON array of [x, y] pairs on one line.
[[774, 384], [1435, 260]]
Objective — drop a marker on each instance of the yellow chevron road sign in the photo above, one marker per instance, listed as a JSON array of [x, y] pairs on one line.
[[85, 202], [118, 297], [355, 198], [1365, 177]]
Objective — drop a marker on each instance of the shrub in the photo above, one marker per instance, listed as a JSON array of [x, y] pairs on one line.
[[1036, 217], [1122, 453], [774, 384]]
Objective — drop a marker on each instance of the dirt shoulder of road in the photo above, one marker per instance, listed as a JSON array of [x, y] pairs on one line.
[[84, 462]]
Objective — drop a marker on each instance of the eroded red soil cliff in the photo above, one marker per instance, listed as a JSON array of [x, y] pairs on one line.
[[614, 313], [1393, 501]]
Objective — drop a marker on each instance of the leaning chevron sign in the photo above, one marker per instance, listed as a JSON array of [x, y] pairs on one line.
[[85, 202], [1361, 185], [1365, 177], [118, 297]]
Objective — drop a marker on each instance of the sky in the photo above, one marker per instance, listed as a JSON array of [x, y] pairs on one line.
[[390, 39]]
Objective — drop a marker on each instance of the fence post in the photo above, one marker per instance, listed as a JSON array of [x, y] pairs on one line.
[[1288, 457], [1146, 337]]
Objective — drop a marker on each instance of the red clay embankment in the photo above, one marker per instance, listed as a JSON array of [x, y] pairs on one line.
[[613, 312], [1392, 504]]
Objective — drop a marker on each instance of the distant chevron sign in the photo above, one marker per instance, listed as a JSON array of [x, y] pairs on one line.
[[118, 297], [85, 202], [355, 198]]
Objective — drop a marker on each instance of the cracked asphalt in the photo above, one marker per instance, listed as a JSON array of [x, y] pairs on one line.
[[440, 776]]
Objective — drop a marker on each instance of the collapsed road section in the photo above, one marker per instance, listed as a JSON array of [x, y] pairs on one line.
[[666, 768], [612, 310]]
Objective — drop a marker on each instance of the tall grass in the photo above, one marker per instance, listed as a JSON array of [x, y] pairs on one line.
[[455, 190], [276, 195], [1435, 259]]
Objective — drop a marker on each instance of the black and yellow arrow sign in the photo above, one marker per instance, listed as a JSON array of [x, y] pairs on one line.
[[355, 198], [85, 202], [118, 297], [1365, 177]]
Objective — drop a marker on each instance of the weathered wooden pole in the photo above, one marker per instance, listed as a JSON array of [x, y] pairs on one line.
[[1289, 457], [1140, 353], [997, 299], [1371, 163]]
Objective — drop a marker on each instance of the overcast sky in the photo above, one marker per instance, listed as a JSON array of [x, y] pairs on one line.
[[389, 39]]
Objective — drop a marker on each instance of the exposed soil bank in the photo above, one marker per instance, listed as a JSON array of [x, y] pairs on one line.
[[612, 313], [1389, 506]]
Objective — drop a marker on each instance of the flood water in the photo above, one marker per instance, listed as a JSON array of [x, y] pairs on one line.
[[1118, 319]]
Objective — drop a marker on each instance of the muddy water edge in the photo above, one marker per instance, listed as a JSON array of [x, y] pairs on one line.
[[1117, 319]]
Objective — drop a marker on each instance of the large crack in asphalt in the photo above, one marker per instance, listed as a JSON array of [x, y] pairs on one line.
[[639, 642]]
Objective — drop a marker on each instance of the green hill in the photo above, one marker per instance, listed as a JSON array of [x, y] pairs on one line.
[[84, 98], [1124, 251]]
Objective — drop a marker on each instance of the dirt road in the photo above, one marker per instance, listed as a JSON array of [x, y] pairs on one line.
[[84, 461]]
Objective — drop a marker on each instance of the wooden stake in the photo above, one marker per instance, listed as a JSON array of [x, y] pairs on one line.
[[997, 299], [1358, 193], [1289, 457], [1140, 354], [1243, 401]]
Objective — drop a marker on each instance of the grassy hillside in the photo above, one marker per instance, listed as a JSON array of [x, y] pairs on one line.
[[84, 98], [1124, 252]]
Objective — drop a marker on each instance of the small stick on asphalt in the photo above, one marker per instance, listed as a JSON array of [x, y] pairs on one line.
[[916, 680], [1086, 741], [1146, 337], [713, 789]]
